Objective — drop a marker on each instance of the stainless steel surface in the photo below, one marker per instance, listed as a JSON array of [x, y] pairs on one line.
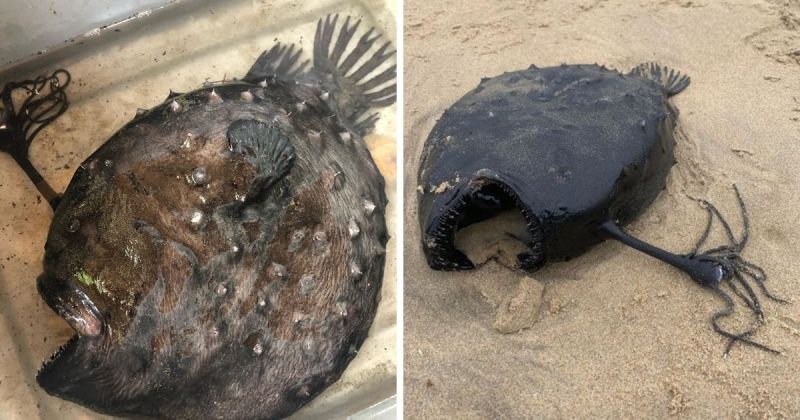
[[31, 26]]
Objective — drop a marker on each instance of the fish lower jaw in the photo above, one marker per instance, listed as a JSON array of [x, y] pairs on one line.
[[49, 361], [474, 201]]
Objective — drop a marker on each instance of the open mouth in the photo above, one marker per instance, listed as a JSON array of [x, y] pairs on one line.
[[59, 374], [47, 376], [475, 201]]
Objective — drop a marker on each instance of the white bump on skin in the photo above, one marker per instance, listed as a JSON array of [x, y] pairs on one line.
[[355, 270], [221, 289], [175, 107], [278, 271], [200, 176], [353, 229], [197, 218], [307, 283], [369, 207], [214, 98]]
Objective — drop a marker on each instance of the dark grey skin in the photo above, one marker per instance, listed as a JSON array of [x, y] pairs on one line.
[[580, 151], [221, 256], [570, 146]]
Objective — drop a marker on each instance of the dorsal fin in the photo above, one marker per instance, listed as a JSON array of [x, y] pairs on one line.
[[280, 62]]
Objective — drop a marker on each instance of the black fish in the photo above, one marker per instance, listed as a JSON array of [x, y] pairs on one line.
[[579, 150], [221, 256]]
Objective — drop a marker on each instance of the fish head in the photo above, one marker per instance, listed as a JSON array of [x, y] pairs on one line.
[[96, 266]]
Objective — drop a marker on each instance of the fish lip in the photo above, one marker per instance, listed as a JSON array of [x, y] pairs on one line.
[[72, 304], [449, 208]]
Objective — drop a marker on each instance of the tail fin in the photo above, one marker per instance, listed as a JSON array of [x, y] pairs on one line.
[[351, 92], [46, 100], [674, 83]]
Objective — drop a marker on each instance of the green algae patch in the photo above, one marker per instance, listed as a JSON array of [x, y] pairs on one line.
[[90, 281]]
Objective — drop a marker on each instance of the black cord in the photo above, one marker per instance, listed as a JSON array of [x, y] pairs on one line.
[[45, 99]]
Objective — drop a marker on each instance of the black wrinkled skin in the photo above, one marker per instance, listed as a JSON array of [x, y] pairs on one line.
[[569, 146], [248, 310]]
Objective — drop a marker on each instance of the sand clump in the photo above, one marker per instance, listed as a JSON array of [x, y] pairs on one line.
[[520, 309]]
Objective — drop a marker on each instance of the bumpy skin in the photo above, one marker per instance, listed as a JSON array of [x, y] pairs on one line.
[[242, 295], [570, 146]]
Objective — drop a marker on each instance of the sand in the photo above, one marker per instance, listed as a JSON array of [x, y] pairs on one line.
[[136, 67], [617, 334]]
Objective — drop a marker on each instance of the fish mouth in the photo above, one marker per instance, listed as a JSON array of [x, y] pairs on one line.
[[75, 371], [480, 198], [64, 373], [49, 377], [72, 304]]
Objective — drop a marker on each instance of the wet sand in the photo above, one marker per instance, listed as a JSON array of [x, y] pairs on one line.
[[615, 333]]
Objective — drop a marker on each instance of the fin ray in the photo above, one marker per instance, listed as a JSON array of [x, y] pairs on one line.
[[385, 76], [345, 35], [364, 44], [671, 80], [267, 148], [372, 64], [280, 62], [346, 75]]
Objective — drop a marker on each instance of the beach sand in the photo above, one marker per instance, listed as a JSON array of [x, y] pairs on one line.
[[614, 333]]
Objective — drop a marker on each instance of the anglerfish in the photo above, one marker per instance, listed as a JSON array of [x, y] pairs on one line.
[[222, 255], [580, 151]]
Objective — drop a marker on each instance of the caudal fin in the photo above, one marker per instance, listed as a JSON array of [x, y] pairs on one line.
[[671, 80], [355, 80]]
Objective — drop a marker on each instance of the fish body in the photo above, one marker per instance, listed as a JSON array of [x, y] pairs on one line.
[[221, 256], [569, 146]]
